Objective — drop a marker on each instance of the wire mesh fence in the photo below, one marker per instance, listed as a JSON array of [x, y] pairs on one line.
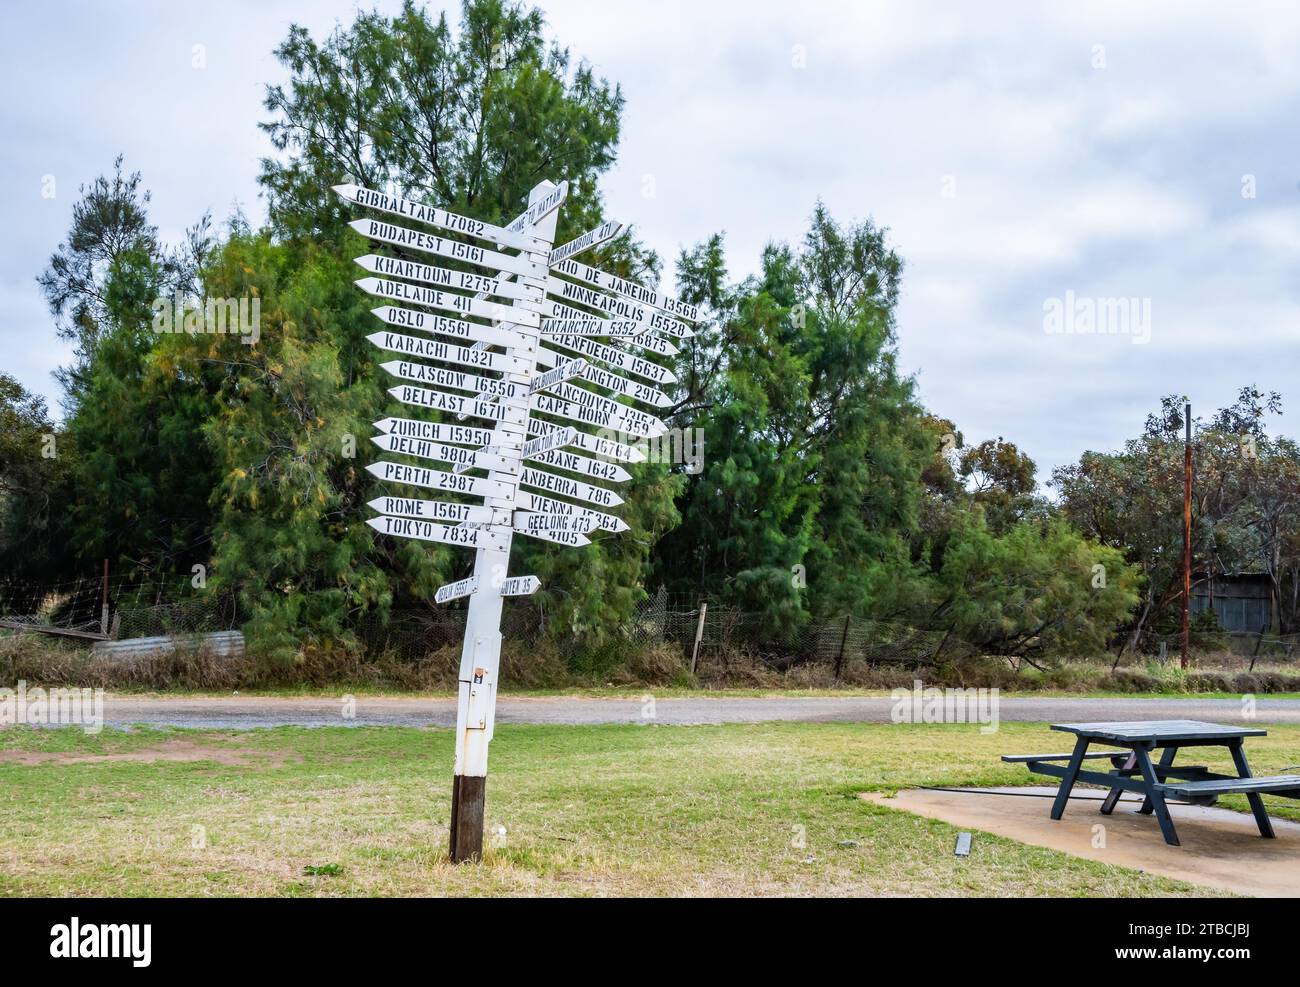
[[705, 635]]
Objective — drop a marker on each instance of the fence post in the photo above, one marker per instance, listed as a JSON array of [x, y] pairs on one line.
[[1258, 641], [699, 633], [839, 661], [103, 610]]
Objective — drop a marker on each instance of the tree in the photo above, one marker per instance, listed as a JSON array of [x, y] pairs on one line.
[[1243, 508], [34, 484], [469, 121], [813, 439], [1001, 480]]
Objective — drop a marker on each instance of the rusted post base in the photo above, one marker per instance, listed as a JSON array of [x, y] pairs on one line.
[[467, 792]]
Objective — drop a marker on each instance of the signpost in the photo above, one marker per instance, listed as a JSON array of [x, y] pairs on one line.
[[536, 469]]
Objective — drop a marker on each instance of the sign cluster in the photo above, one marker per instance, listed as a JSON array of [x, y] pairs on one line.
[[524, 353]]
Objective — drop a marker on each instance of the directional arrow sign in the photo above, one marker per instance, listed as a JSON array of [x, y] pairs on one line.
[[520, 586], [608, 380], [442, 377], [593, 327], [428, 243], [434, 431], [430, 349], [628, 289], [437, 217], [542, 207], [598, 402], [438, 510], [563, 371], [409, 318], [459, 455], [406, 527], [419, 476], [532, 521], [552, 309], [621, 308], [592, 238], [526, 501], [591, 443], [454, 591], [625, 419], [562, 436], [560, 537], [565, 487], [619, 359], [574, 463], [457, 405], [402, 292], [443, 277]]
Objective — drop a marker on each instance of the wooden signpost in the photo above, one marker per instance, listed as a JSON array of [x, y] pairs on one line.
[[524, 449]]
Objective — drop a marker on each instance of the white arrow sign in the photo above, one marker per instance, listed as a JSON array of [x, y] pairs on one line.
[[574, 463], [593, 327], [575, 489], [592, 238], [433, 216], [628, 420], [598, 402], [441, 246], [520, 586], [420, 476], [561, 436], [563, 371], [454, 591], [594, 444], [431, 349], [620, 308], [460, 434], [409, 318], [526, 501], [405, 527], [618, 358], [555, 535], [463, 458], [438, 510], [628, 289], [542, 207], [400, 291], [443, 277], [608, 380], [423, 373], [457, 405], [532, 521], [552, 309]]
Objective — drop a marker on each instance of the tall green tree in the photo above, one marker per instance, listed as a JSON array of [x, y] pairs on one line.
[[813, 441]]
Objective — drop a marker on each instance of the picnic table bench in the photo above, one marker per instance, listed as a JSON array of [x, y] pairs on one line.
[[1132, 769]]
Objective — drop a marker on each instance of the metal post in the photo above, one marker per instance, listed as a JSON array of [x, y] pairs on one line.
[[481, 655], [103, 610], [844, 638], [1187, 532], [699, 634]]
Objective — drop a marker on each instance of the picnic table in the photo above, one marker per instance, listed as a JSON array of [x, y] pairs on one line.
[[1132, 769]]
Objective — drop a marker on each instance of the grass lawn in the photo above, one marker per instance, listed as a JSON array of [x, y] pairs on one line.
[[632, 810]]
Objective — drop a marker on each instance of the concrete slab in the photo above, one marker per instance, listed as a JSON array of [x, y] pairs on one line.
[[1221, 848]]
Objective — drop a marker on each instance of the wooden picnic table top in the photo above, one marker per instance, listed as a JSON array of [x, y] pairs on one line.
[[1156, 730]]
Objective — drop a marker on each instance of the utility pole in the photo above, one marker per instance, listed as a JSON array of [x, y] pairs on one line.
[[1187, 531]]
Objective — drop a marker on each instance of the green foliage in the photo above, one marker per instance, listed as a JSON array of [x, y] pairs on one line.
[[813, 440], [1040, 589]]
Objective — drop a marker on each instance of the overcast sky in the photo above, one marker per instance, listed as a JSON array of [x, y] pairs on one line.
[[1019, 153]]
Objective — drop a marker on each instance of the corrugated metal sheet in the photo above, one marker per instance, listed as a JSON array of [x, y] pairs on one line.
[[223, 643]]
